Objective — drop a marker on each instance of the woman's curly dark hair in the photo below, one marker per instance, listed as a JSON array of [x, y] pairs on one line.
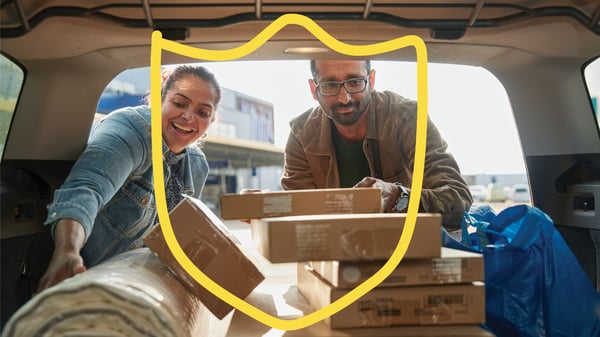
[[186, 70]]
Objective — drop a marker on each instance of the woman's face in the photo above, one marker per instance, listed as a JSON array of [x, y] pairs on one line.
[[188, 109]]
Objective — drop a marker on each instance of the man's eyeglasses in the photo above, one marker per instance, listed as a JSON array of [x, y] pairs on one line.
[[352, 86]]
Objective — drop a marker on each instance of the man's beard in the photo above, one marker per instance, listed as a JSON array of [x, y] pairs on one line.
[[348, 118]]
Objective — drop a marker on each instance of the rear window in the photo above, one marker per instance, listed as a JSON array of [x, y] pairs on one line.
[[474, 116]]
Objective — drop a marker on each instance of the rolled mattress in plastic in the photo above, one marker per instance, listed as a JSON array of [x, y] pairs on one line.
[[130, 295]]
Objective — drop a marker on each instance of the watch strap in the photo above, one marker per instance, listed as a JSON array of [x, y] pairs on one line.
[[402, 198]]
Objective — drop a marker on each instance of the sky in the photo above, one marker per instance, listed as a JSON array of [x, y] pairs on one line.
[[468, 104]]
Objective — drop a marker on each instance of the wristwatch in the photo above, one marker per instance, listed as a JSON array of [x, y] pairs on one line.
[[402, 201]]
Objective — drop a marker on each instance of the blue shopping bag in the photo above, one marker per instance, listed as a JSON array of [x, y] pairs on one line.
[[534, 284]]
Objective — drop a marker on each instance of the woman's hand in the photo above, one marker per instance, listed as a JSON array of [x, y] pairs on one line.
[[66, 261]]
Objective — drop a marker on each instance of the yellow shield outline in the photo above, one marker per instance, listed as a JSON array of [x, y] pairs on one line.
[[159, 44]]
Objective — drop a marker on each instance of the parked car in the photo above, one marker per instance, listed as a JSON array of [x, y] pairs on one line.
[[478, 192], [58, 57], [496, 193], [520, 193]]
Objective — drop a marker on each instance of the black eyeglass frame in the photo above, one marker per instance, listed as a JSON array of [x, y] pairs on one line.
[[343, 84]]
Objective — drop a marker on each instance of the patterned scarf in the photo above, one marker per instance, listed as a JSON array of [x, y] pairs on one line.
[[174, 188]]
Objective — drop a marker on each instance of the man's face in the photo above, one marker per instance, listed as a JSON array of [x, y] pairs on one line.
[[344, 108]]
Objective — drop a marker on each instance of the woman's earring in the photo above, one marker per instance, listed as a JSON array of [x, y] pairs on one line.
[[201, 141]]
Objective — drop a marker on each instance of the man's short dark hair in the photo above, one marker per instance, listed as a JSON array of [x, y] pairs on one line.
[[313, 68]]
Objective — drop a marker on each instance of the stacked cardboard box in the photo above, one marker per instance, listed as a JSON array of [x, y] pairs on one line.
[[345, 237], [300, 202], [338, 249], [423, 291], [453, 266]]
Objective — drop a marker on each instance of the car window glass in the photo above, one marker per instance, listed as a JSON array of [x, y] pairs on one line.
[[592, 79], [468, 104], [10, 87]]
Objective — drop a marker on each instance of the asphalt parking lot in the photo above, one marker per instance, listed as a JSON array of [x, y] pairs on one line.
[[499, 206]]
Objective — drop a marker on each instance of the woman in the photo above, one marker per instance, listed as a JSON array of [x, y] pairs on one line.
[[106, 205]]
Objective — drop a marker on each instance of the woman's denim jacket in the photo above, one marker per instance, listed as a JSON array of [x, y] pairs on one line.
[[110, 188]]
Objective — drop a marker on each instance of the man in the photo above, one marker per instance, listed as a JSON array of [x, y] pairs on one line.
[[359, 137]]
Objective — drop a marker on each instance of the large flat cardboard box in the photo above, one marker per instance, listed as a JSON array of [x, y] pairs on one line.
[[454, 266], [418, 305], [344, 237], [300, 202], [212, 248]]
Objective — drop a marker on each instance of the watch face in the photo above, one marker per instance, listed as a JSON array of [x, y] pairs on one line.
[[402, 203]]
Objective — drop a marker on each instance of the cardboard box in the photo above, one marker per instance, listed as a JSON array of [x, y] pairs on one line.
[[344, 237], [454, 266], [285, 302], [418, 305], [300, 202], [212, 248]]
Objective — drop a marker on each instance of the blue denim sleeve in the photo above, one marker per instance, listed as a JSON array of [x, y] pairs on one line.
[[117, 146]]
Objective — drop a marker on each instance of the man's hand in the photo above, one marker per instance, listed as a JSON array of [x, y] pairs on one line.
[[389, 191], [66, 261]]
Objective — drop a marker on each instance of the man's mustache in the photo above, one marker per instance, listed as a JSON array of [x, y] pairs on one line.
[[347, 105]]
